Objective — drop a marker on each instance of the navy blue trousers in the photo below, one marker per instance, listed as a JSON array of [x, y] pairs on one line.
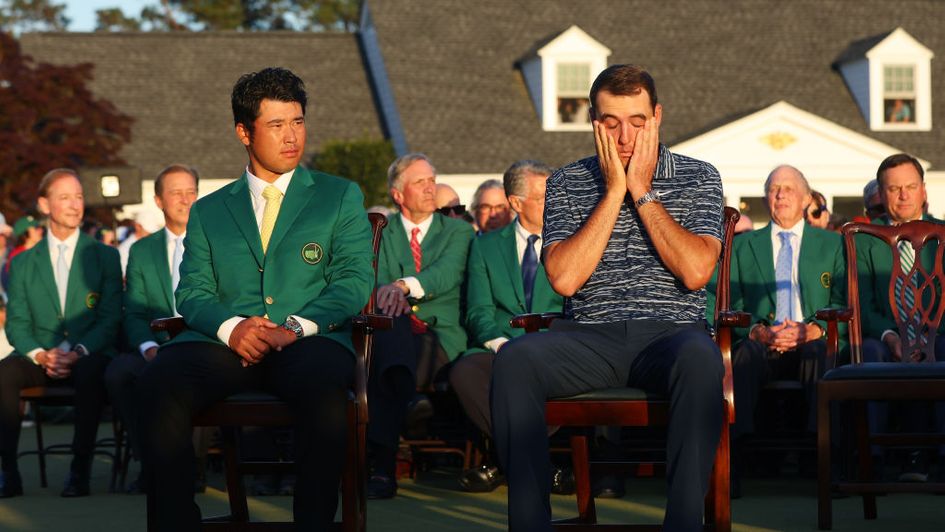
[[678, 360]]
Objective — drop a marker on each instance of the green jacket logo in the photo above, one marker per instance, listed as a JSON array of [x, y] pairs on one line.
[[312, 253]]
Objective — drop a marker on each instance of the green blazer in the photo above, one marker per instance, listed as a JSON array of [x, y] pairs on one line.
[[92, 315], [821, 270], [148, 292], [445, 249], [494, 292], [874, 269], [318, 264]]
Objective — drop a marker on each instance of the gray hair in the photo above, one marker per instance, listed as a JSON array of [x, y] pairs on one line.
[[396, 168], [514, 177], [484, 186], [800, 174], [871, 189]]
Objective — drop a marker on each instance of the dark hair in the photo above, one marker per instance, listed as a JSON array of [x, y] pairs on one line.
[[267, 84], [173, 169], [624, 80], [895, 160], [52, 176]]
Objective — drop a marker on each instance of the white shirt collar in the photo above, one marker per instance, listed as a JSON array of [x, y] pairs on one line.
[[170, 237], [54, 242], [256, 184], [797, 229], [522, 232], [424, 226]]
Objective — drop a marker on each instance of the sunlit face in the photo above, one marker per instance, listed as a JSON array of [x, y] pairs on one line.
[[903, 193], [64, 204], [493, 210], [624, 117], [445, 196], [416, 194], [178, 193], [531, 207], [787, 197], [277, 142]]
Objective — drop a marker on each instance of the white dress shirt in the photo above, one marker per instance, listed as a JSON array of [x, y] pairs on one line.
[[797, 313], [416, 290], [256, 187]]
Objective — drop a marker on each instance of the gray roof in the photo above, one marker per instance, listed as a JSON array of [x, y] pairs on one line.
[[462, 100], [177, 87]]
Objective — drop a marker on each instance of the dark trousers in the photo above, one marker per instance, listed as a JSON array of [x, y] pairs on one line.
[[753, 366], [18, 372], [313, 375], [469, 378], [678, 360]]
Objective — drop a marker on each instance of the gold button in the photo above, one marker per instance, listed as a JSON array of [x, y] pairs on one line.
[[269, 300], [332, 326], [415, 308], [66, 334], [771, 315]]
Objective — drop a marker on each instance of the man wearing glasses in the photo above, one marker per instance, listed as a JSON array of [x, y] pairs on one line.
[[490, 207]]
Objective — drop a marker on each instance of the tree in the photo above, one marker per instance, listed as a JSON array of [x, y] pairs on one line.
[[363, 161], [50, 119], [114, 19], [32, 15]]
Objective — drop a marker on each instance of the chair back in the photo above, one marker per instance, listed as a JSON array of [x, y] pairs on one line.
[[917, 304], [723, 302]]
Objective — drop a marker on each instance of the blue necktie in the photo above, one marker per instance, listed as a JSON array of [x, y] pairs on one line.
[[62, 276], [175, 269], [782, 277], [529, 267]]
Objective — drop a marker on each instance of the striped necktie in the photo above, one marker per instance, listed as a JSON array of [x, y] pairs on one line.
[[417, 326], [905, 299]]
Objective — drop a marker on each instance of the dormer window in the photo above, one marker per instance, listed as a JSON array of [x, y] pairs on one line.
[[558, 72], [889, 77], [899, 94]]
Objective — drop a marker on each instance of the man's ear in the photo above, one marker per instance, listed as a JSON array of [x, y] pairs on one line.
[[515, 202], [42, 203], [658, 113], [242, 133], [397, 196]]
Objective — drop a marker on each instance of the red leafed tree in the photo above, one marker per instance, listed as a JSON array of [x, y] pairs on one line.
[[49, 119]]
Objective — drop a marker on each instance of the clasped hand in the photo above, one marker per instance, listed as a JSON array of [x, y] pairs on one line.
[[392, 300], [784, 336], [636, 176], [253, 338], [57, 363]]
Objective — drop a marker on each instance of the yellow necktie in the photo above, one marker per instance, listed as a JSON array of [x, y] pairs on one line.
[[273, 202]]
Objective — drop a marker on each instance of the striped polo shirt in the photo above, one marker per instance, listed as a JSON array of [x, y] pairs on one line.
[[631, 282]]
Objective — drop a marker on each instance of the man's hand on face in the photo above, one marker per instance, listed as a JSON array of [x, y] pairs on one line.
[[611, 167], [643, 160], [392, 300], [249, 339]]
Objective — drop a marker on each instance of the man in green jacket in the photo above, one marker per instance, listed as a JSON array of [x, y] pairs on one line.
[[420, 270], [62, 319], [151, 278], [902, 191], [275, 265], [504, 278], [782, 274]]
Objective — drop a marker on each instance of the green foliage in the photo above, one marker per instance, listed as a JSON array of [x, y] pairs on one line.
[[32, 15], [363, 161], [303, 15], [49, 119], [113, 19]]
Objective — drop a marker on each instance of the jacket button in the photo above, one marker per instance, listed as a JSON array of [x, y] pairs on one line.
[[269, 300], [771, 315], [332, 326], [65, 333], [415, 308]]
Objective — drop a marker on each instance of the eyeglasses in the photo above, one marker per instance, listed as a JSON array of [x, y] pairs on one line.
[[454, 211], [816, 213], [875, 211], [501, 207]]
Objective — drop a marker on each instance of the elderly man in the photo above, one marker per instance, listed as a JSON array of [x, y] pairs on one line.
[[447, 202], [490, 207], [504, 278], [152, 277], [901, 181], [630, 237], [63, 321], [420, 269], [782, 274]]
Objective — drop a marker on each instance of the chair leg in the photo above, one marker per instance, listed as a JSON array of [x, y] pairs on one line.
[[239, 511], [718, 509], [580, 459], [866, 462], [40, 447], [349, 497], [119, 433], [824, 504]]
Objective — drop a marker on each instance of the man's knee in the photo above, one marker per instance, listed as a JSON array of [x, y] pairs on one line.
[[698, 356], [875, 351], [749, 353]]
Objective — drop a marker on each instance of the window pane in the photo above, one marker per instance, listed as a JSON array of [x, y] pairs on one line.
[[899, 110], [573, 111], [574, 79], [899, 79]]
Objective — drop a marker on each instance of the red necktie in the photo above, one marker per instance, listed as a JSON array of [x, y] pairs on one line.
[[416, 325]]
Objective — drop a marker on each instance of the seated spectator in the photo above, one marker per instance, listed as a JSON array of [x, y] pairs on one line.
[[490, 207], [63, 319], [420, 269], [782, 274], [27, 232], [5, 347], [872, 204], [816, 213], [901, 183], [504, 279], [447, 202]]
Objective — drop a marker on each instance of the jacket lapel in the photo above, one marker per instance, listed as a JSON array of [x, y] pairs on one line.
[[764, 256], [400, 246], [82, 254], [44, 267], [509, 253], [240, 206], [297, 196], [809, 244], [161, 269]]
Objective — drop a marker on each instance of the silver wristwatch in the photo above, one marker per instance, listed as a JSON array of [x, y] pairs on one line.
[[646, 198], [292, 325]]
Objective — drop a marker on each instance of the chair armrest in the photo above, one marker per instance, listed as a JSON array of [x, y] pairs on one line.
[[832, 316], [172, 326], [533, 322], [733, 318], [365, 322]]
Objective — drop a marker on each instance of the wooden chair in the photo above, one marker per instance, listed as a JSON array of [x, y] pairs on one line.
[[632, 407], [257, 409], [860, 382], [64, 396]]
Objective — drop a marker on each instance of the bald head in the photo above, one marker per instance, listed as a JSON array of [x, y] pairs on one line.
[[446, 196], [787, 195]]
